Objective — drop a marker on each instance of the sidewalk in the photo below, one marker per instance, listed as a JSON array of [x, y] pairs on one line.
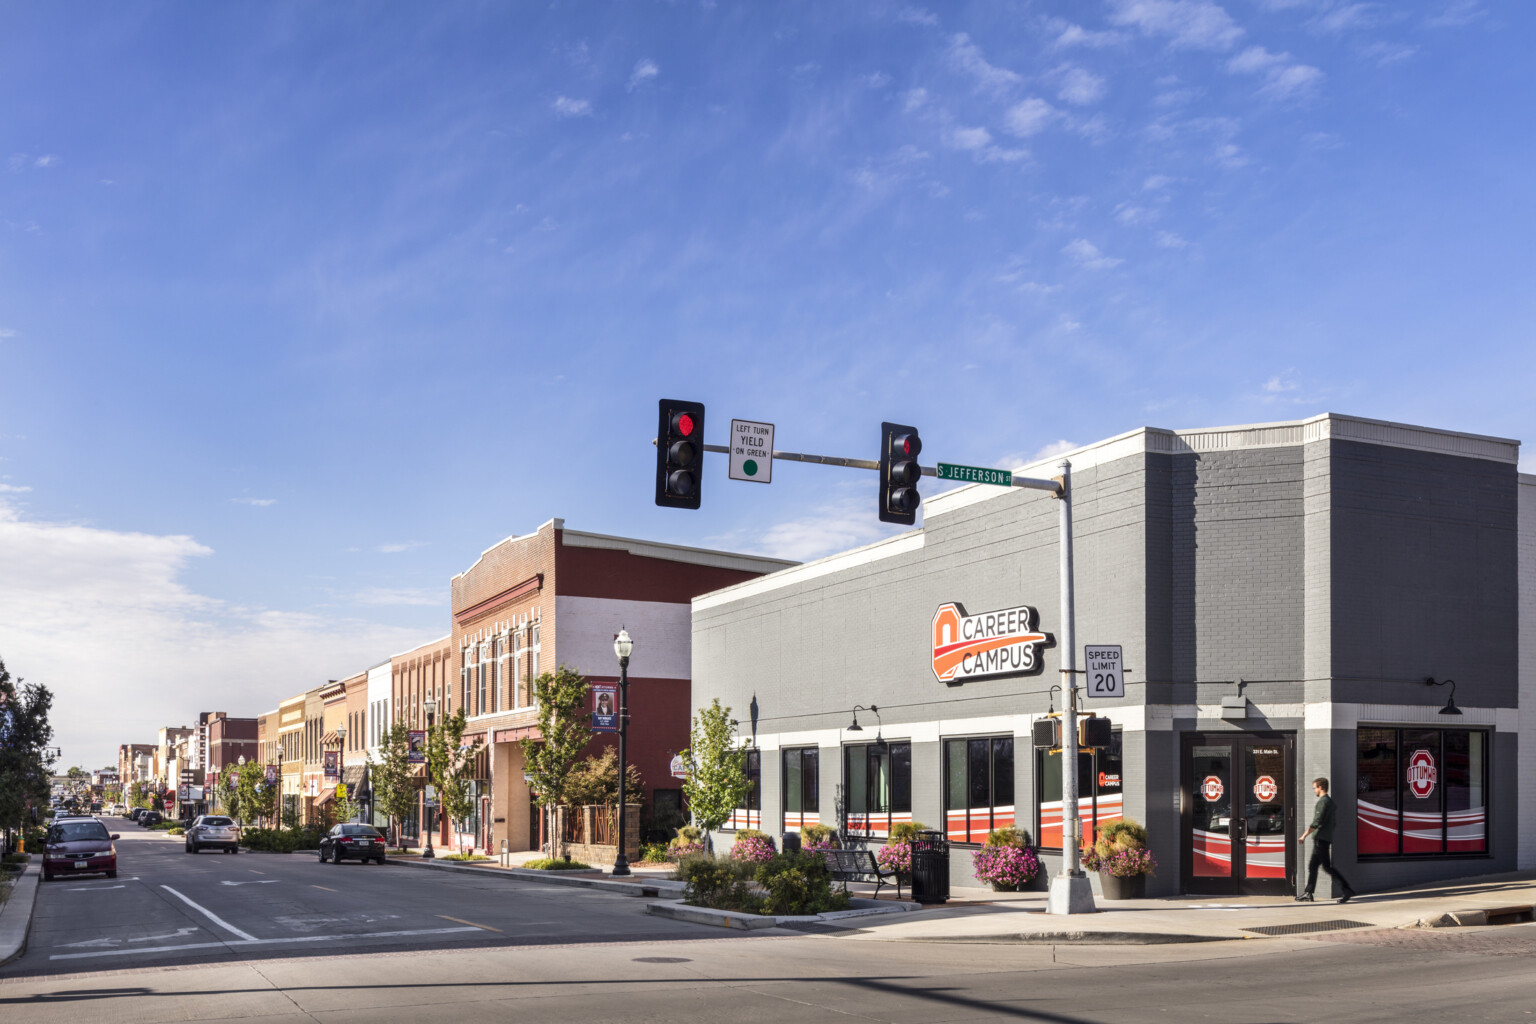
[[981, 916], [16, 913]]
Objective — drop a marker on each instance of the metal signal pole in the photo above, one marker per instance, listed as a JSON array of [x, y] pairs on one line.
[[1070, 891]]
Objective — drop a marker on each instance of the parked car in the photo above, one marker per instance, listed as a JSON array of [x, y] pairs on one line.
[[362, 842], [79, 846], [133, 814], [149, 819], [213, 830]]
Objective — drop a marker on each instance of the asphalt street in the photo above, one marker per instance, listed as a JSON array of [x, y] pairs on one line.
[[170, 907], [221, 937]]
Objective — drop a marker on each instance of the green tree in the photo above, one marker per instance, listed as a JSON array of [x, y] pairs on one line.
[[596, 780], [393, 778], [251, 797], [451, 764], [563, 725], [346, 808], [717, 769], [137, 795], [24, 762]]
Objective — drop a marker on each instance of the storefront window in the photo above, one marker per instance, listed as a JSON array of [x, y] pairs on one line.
[[750, 813], [1421, 791], [802, 789], [1100, 786], [978, 787], [879, 787]]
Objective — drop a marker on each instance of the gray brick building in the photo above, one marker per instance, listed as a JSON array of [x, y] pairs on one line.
[[1283, 593]]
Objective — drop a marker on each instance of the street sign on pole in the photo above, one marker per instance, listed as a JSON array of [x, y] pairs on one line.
[[975, 474], [1106, 677], [751, 451]]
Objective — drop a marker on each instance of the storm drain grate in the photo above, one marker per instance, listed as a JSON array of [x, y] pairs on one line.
[[1304, 927]]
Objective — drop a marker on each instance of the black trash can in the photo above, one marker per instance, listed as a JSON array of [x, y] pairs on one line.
[[930, 867], [790, 842]]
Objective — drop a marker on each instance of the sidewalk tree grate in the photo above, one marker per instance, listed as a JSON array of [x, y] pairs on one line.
[[663, 960], [1306, 927]]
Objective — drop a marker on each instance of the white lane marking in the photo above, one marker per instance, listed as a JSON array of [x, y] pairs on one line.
[[262, 942], [110, 941], [253, 881], [98, 884], [96, 888], [178, 933], [210, 915]]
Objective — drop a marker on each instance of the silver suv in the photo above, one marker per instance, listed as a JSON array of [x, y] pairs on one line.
[[214, 830]]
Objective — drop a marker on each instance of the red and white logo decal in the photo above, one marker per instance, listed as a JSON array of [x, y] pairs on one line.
[[1421, 773], [1211, 788], [1265, 789]]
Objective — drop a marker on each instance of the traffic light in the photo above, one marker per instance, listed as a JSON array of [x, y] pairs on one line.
[[1093, 731], [899, 472], [679, 453]]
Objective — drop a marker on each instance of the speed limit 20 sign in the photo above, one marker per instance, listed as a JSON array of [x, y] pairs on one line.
[[1106, 677]]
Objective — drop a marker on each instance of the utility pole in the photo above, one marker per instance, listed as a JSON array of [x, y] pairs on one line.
[[1070, 891]]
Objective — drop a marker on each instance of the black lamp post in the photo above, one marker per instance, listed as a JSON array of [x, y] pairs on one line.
[[430, 707], [623, 646]]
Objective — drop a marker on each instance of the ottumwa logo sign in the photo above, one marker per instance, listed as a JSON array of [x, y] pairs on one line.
[[1421, 774]]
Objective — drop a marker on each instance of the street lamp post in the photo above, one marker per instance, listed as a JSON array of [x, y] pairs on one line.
[[277, 798], [623, 646], [430, 707]]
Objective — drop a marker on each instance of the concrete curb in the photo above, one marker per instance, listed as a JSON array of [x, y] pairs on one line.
[[16, 914], [1083, 938], [1478, 918], [637, 888], [751, 922]]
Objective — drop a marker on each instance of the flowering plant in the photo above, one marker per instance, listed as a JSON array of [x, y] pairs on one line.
[[1005, 867], [752, 845], [1122, 862], [896, 856], [818, 838], [677, 850]]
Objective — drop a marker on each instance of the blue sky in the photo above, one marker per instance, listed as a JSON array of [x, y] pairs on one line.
[[303, 306]]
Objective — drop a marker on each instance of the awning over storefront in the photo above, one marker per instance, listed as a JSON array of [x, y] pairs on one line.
[[326, 796], [526, 732]]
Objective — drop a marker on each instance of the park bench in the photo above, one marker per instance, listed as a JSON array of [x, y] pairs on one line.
[[860, 866]]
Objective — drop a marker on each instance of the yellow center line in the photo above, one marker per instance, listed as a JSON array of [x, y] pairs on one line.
[[327, 888], [472, 924]]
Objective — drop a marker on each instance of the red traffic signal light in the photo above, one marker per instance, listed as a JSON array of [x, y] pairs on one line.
[[899, 473], [679, 453]]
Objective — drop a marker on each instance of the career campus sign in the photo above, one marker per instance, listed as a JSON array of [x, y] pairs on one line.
[[1006, 642]]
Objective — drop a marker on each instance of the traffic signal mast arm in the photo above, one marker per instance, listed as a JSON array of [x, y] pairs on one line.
[[1054, 486]]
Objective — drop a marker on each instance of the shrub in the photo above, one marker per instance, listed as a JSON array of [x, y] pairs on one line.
[[165, 826], [904, 831], [273, 840], [556, 864], [799, 883], [1007, 836], [177, 831], [689, 840], [1005, 866], [464, 856], [719, 884], [14, 858], [653, 853], [752, 845], [816, 838], [1120, 850]]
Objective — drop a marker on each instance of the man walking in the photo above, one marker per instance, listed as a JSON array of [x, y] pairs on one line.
[[1322, 848]]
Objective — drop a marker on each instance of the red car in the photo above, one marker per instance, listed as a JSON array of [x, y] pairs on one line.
[[79, 846]]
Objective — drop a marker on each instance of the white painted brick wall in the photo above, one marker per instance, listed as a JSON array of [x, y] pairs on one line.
[[663, 636]]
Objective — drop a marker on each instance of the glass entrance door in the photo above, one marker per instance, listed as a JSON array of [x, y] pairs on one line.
[[1238, 814]]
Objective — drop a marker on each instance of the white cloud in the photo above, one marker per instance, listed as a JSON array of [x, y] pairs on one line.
[[1021, 460], [45, 161], [838, 525], [14, 489], [1347, 18], [6, 332], [567, 107], [978, 142], [917, 16], [875, 80], [1085, 254], [967, 56], [1131, 214], [1278, 385], [1080, 87], [913, 99], [1188, 24], [1230, 155], [1284, 79], [398, 546], [970, 138], [104, 620], [1156, 183], [1068, 34], [1456, 15], [1169, 240], [395, 597], [645, 70], [1382, 53], [258, 502], [1030, 117]]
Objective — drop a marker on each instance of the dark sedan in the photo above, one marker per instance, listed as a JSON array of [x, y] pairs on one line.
[[79, 846], [149, 819], [360, 842]]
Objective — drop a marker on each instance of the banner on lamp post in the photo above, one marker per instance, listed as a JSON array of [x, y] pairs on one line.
[[605, 707]]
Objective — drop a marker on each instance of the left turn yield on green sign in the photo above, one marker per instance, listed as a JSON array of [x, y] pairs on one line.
[[752, 451]]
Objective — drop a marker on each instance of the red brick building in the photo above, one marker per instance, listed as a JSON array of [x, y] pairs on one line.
[[557, 597]]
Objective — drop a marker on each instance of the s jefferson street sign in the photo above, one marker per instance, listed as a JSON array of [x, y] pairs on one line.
[[975, 474]]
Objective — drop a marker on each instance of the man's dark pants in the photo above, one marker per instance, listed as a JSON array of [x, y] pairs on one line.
[[1322, 858]]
